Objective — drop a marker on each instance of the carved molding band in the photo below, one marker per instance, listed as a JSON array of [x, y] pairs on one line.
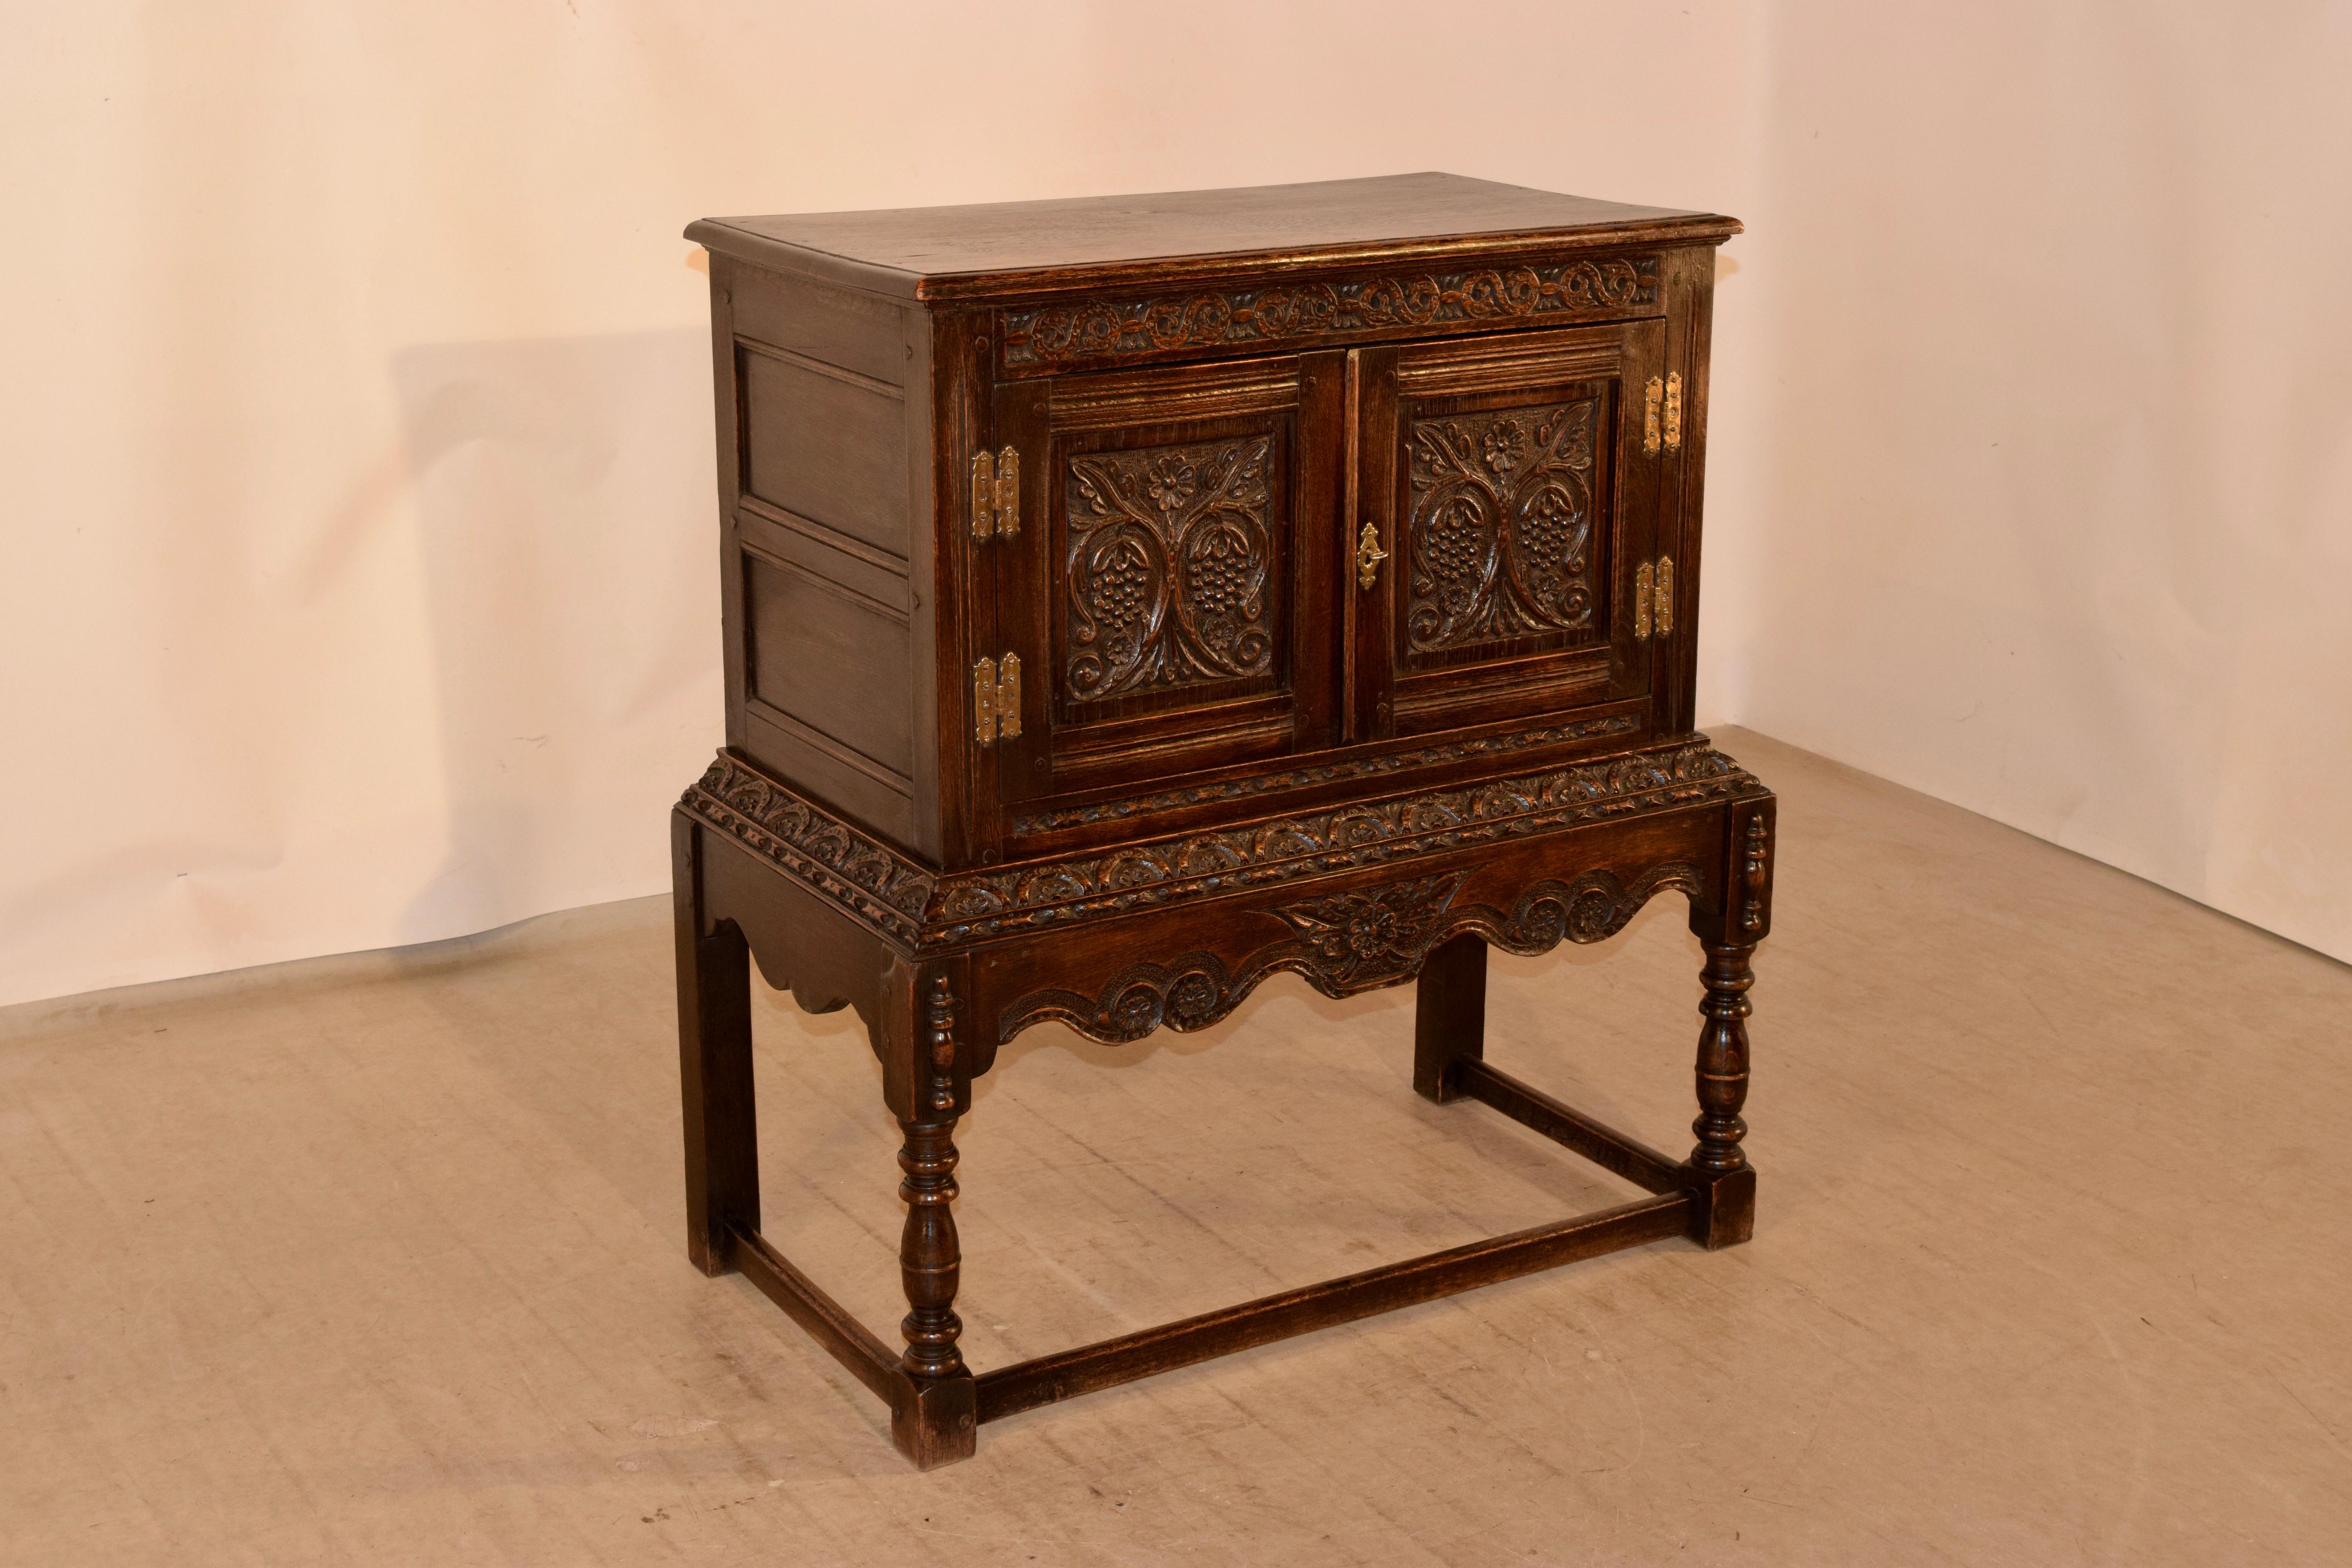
[[1055, 335], [864, 876], [918, 907], [1345, 944], [1142, 876], [1501, 529], [1169, 552], [1329, 773]]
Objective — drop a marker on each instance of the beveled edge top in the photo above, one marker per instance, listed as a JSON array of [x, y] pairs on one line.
[[1017, 249]]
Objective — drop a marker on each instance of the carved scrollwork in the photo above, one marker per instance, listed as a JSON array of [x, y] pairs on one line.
[[1051, 336], [1169, 552], [1193, 993], [1346, 942], [1593, 908], [1501, 534]]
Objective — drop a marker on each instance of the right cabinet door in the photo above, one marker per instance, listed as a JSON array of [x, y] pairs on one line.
[[1513, 483]]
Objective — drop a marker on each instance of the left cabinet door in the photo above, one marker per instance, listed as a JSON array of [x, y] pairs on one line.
[[1167, 585]]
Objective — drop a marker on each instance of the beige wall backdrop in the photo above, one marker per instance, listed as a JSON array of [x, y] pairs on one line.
[[2045, 493], [354, 447]]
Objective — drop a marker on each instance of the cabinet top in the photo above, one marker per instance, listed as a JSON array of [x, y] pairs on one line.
[[1010, 248]]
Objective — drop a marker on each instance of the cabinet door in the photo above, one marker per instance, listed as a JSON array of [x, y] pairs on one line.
[[1170, 592], [1508, 481]]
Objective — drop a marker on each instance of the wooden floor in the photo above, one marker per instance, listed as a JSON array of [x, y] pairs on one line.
[[381, 1259]]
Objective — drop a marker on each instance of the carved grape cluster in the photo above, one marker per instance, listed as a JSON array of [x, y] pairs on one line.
[[1457, 544], [1116, 590], [1219, 577], [1549, 532]]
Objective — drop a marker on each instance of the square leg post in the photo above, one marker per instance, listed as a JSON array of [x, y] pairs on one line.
[[1449, 1014], [714, 1062]]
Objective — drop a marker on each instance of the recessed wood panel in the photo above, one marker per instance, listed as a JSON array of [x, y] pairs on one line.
[[833, 326], [827, 444], [1172, 569], [834, 660], [1505, 533]]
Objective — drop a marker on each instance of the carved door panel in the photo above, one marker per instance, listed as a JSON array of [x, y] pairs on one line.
[[1169, 593], [1509, 480]]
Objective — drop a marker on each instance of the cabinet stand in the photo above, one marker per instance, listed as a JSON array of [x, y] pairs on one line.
[[762, 872]]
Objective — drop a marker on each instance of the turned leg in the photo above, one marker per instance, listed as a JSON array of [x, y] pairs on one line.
[[1721, 1175], [714, 1064], [936, 1423], [1449, 1017]]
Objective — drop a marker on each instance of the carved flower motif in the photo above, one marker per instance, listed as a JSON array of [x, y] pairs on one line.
[[1137, 1012], [1505, 444], [1171, 483], [1192, 999], [1371, 930]]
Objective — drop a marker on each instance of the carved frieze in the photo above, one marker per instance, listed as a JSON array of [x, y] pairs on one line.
[[1168, 556], [862, 875], [1051, 336], [924, 909], [1160, 871], [1501, 534]]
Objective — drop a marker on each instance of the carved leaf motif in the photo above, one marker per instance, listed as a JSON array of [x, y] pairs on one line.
[[1501, 532], [1170, 550]]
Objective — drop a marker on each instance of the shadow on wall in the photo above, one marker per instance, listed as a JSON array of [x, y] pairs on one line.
[[564, 495]]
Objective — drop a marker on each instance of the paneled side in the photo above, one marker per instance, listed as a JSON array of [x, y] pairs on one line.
[[832, 659], [825, 443], [832, 326], [822, 537]]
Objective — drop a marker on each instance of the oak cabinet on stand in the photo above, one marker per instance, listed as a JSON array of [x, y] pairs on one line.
[[1126, 599]]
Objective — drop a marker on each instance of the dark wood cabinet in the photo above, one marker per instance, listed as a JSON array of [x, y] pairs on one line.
[[1126, 599]]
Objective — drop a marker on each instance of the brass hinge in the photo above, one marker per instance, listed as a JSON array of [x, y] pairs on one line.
[[996, 698], [996, 493], [1653, 599], [1661, 414]]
